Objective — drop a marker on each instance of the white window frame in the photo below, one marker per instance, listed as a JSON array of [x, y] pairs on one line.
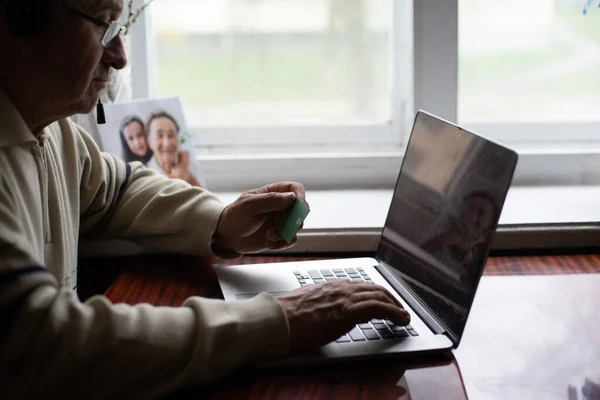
[[390, 132], [369, 156]]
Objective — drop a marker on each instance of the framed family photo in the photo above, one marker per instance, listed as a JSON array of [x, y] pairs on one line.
[[153, 132]]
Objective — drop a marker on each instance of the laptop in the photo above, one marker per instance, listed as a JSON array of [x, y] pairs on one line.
[[431, 254]]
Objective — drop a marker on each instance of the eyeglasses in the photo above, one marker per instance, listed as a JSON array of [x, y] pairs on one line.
[[113, 28]]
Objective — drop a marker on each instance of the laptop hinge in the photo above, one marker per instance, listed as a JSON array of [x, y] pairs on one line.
[[412, 301]]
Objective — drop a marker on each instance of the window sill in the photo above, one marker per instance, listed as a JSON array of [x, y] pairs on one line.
[[351, 221], [376, 167]]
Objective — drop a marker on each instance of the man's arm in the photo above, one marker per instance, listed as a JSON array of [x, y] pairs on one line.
[[51, 343], [132, 202]]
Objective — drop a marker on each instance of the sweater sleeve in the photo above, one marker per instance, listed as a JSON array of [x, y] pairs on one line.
[[52, 345], [130, 201]]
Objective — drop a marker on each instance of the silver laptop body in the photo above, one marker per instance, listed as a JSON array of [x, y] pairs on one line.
[[433, 247]]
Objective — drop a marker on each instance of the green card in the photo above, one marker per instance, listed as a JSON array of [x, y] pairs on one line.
[[292, 219]]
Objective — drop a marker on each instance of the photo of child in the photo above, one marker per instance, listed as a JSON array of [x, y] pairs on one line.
[[134, 140], [154, 133]]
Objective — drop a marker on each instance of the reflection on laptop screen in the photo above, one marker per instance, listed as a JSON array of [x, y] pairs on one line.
[[443, 215]]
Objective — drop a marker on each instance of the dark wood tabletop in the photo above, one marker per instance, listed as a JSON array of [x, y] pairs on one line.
[[516, 338], [533, 337]]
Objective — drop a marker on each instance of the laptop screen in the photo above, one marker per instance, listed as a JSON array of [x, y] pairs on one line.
[[443, 215]]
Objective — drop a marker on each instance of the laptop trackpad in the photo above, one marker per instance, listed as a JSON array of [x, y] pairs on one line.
[[246, 296], [244, 281]]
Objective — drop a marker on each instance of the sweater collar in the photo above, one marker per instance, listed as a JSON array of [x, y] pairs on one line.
[[13, 129]]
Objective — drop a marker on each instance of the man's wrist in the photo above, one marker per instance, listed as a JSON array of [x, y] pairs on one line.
[[221, 250], [220, 246]]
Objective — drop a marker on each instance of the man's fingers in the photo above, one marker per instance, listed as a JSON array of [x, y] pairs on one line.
[[370, 287], [273, 235], [281, 244], [283, 187], [387, 293], [380, 296], [367, 310], [265, 203], [294, 187]]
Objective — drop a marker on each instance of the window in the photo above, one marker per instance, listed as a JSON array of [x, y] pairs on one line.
[[275, 62], [324, 91], [282, 71], [530, 69]]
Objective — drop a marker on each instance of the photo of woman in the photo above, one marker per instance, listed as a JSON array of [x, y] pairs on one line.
[[163, 137], [153, 132], [134, 140]]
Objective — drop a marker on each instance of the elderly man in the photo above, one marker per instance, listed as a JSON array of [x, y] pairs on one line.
[[56, 186]]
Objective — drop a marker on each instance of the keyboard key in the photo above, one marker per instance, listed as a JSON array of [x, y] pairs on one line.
[[356, 335], [337, 270], [396, 328], [385, 333], [379, 326], [413, 332], [350, 270], [401, 333], [358, 279], [360, 269], [301, 281], [305, 277], [297, 273], [343, 339], [326, 272], [376, 321], [354, 275], [330, 278], [318, 280], [371, 334], [314, 274], [388, 322], [365, 326], [338, 274], [409, 327]]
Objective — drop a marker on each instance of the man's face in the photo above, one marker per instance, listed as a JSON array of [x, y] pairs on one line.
[[164, 140], [136, 140], [75, 65]]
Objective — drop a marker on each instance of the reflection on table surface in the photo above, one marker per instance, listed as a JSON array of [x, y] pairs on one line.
[[374, 379]]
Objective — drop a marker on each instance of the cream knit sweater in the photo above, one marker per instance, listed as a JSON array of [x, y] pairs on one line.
[[62, 187]]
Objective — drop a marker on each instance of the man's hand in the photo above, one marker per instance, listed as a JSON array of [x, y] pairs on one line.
[[249, 224], [319, 314]]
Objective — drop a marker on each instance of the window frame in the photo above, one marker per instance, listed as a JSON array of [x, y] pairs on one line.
[[390, 132], [369, 155]]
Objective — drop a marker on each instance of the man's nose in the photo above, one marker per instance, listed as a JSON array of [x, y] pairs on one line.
[[114, 55]]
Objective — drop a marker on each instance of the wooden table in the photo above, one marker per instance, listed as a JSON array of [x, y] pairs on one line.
[[533, 337], [528, 337]]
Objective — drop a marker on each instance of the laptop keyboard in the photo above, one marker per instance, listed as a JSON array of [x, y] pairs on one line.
[[376, 329]]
